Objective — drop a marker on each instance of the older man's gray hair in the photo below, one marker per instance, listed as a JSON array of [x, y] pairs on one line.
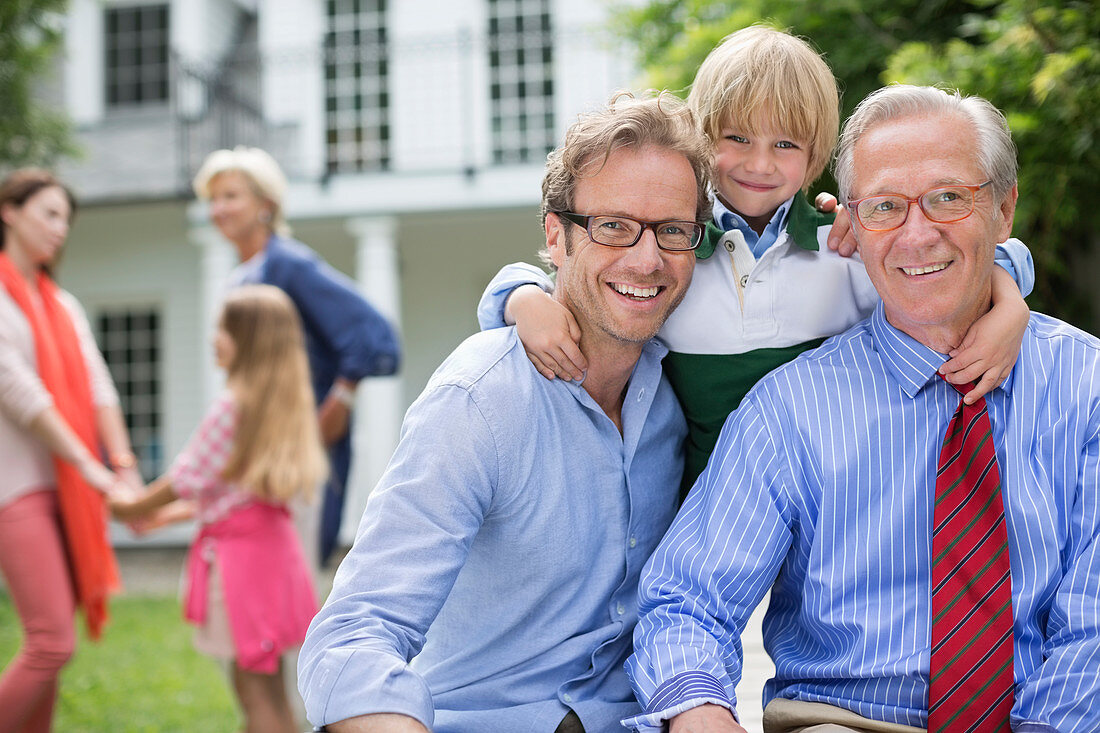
[[996, 151]]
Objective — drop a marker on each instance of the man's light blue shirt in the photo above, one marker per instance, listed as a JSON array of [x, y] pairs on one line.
[[501, 551], [821, 488]]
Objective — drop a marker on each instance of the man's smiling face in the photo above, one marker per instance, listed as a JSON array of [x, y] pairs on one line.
[[625, 294], [934, 278]]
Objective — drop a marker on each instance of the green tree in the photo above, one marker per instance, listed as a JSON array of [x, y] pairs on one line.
[[30, 36], [1038, 61]]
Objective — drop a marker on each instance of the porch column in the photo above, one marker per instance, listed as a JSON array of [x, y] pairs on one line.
[[379, 407], [218, 258]]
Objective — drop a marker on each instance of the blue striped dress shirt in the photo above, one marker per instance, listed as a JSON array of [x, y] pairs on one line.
[[821, 489]]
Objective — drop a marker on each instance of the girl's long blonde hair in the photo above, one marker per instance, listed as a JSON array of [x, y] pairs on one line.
[[277, 453]]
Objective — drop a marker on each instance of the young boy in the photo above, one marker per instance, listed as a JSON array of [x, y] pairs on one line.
[[765, 288]]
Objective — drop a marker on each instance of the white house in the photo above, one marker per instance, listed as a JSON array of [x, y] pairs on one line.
[[413, 133]]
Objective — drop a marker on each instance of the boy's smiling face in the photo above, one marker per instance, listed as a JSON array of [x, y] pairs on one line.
[[756, 172]]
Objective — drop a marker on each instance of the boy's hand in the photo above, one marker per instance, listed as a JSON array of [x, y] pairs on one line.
[[841, 240], [991, 346], [549, 334]]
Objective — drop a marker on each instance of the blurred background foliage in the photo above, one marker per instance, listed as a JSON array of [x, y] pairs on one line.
[[1036, 60], [32, 131]]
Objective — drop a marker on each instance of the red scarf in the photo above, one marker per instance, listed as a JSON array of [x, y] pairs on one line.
[[62, 369]]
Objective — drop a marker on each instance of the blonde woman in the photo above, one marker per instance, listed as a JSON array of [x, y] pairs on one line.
[[250, 592], [346, 338]]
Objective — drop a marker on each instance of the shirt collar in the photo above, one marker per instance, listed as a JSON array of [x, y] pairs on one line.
[[802, 223], [758, 243], [653, 352], [909, 361]]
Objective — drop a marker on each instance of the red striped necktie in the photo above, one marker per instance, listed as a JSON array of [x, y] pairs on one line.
[[970, 680]]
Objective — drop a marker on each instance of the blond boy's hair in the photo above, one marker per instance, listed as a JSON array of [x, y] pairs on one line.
[[759, 74], [277, 452]]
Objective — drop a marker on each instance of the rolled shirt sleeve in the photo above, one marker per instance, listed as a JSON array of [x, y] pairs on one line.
[[1014, 256], [490, 309], [412, 542]]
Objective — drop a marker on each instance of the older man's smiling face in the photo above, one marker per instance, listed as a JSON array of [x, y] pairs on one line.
[[934, 278]]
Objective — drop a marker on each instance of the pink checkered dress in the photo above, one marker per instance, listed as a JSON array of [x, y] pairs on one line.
[[196, 472]]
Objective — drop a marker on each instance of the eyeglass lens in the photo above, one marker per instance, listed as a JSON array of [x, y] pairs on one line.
[[617, 231], [943, 205]]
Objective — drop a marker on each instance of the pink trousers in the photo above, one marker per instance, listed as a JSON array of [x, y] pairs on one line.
[[32, 558]]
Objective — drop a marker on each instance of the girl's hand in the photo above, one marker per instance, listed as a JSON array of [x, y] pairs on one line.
[[990, 348], [549, 333], [125, 506], [180, 510]]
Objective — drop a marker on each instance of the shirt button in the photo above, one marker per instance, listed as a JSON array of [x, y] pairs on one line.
[[633, 541], [730, 246], [567, 697], [744, 280], [621, 609], [641, 394]]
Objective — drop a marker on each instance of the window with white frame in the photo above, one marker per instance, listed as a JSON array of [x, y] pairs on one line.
[[129, 338], [521, 92], [136, 46], [356, 86]]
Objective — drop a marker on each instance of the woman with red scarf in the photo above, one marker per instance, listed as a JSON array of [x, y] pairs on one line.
[[58, 411]]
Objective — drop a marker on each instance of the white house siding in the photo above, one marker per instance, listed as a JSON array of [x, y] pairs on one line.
[[139, 255], [455, 216]]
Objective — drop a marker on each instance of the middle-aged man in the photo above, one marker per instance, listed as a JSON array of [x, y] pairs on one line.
[[501, 550], [929, 565]]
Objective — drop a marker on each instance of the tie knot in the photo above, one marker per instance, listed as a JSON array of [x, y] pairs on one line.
[[962, 389]]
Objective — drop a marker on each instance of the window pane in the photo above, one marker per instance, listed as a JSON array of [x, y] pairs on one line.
[[356, 86], [129, 339], [136, 54], [521, 88]]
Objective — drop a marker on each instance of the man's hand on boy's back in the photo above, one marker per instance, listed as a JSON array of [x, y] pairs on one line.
[[841, 240]]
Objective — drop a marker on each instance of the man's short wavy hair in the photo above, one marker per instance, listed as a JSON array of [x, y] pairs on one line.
[[658, 120], [996, 152]]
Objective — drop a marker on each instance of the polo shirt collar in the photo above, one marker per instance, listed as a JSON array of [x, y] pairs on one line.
[[802, 224]]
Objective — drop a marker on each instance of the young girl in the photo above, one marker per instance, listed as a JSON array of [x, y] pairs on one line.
[[249, 590]]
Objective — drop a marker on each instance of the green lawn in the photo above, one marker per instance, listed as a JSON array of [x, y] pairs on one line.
[[142, 677]]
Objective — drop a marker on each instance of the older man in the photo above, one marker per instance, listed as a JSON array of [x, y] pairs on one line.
[[493, 584], [931, 564]]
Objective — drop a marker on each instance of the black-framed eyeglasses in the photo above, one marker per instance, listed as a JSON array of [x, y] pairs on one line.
[[622, 231], [944, 204]]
